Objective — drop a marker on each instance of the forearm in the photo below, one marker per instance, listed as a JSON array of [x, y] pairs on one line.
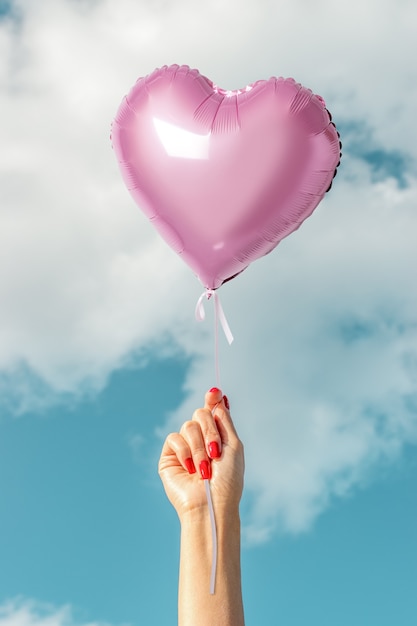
[[195, 603]]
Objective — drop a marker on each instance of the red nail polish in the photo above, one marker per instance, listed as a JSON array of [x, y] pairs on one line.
[[214, 450], [189, 464], [226, 402], [214, 390], [205, 470]]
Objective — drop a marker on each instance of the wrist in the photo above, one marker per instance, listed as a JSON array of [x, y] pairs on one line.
[[197, 522], [200, 514]]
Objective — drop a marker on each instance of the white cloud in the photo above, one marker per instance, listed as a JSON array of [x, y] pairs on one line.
[[322, 375], [24, 612]]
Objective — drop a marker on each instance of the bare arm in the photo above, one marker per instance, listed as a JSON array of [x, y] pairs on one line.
[[185, 489]]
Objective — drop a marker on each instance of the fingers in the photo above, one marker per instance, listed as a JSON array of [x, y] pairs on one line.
[[218, 404], [194, 446], [213, 397], [201, 439], [210, 433], [177, 448], [192, 433]]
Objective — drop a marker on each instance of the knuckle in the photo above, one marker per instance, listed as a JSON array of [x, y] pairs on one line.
[[199, 415], [189, 427]]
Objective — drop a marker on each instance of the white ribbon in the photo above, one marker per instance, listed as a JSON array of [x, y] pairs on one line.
[[213, 537], [219, 316], [200, 313]]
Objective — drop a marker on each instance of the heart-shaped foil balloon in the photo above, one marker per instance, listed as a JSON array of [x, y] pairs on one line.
[[224, 175]]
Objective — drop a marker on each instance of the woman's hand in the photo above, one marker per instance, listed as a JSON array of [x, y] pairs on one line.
[[207, 446]]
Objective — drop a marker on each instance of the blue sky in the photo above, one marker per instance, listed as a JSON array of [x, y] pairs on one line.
[[85, 522], [100, 355]]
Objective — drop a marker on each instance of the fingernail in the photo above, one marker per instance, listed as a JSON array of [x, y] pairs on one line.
[[214, 450], [226, 402], [205, 470], [214, 390], [189, 464]]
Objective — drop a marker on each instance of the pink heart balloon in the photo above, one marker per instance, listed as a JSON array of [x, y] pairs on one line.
[[224, 175]]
